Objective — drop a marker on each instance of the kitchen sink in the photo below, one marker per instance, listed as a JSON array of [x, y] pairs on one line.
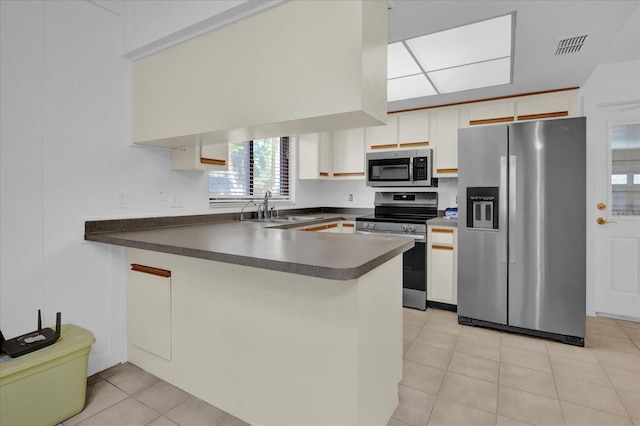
[[285, 219]]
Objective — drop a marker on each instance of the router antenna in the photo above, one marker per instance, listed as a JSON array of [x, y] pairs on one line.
[[58, 324]]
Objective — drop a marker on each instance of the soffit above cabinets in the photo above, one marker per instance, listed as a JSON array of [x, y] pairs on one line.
[[301, 67]]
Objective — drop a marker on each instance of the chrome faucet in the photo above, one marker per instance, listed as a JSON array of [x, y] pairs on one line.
[[242, 210], [267, 195]]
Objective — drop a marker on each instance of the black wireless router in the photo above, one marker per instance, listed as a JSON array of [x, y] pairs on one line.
[[33, 341]]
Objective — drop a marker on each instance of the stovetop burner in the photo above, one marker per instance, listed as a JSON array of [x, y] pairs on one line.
[[403, 207]]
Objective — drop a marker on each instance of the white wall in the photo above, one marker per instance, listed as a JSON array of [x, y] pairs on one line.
[[65, 156]]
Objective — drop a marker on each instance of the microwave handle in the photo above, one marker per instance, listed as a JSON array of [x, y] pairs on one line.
[[411, 169]]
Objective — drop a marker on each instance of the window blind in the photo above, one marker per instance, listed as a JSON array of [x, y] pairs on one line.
[[255, 167]]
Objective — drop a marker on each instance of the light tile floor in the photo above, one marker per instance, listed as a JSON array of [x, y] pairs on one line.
[[453, 375]]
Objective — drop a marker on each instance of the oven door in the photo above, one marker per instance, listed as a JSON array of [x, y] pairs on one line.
[[414, 270]]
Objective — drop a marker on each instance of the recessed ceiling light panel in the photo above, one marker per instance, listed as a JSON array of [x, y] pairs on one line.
[[399, 62], [477, 42], [414, 86], [473, 76]]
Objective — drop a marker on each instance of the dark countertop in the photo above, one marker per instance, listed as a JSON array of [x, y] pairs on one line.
[[441, 221], [266, 245]]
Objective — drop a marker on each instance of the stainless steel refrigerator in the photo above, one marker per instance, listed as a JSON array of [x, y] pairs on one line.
[[522, 228]]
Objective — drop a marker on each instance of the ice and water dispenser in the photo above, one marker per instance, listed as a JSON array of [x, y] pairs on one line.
[[482, 207]]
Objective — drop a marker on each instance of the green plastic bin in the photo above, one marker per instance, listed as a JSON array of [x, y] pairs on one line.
[[47, 386]]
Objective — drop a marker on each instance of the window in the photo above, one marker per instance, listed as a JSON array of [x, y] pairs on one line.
[[255, 167], [625, 168]]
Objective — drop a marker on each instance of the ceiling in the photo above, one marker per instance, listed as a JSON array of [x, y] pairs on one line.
[[613, 29]]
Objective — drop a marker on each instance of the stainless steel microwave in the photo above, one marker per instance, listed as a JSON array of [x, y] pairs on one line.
[[401, 168]]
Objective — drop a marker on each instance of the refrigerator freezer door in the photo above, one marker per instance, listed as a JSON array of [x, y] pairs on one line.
[[548, 243], [482, 267]]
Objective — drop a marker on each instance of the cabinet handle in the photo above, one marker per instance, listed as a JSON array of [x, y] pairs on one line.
[[324, 174], [452, 170], [151, 270], [349, 174], [384, 146], [213, 161], [317, 228], [348, 225], [442, 231], [491, 120], [439, 247], [544, 115], [408, 144]]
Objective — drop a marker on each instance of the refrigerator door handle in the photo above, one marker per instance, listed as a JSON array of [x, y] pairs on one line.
[[502, 206], [512, 209]]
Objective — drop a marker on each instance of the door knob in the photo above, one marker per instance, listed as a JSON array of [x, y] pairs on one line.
[[603, 221], [601, 206]]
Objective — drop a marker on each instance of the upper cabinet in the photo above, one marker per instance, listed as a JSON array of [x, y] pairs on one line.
[[331, 155], [238, 83], [491, 112], [383, 137], [348, 153], [551, 105], [403, 130], [206, 158], [444, 129], [413, 129]]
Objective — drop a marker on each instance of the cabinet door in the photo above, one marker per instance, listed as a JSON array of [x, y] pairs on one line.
[[309, 156], [445, 142], [545, 106], [201, 158], [326, 154], [348, 153], [413, 129], [149, 309], [442, 273], [491, 112], [383, 137]]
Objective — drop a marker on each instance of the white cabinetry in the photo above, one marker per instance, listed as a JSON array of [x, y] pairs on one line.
[[383, 137], [491, 112], [444, 141], [201, 158], [342, 226], [413, 129], [348, 153], [551, 105], [314, 155], [442, 258], [149, 309]]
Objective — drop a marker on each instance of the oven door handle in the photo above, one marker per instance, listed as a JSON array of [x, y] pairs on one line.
[[418, 238]]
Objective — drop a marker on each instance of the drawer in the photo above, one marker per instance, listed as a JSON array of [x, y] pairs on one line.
[[441, 235]]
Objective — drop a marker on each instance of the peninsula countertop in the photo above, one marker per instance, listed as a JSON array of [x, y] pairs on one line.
[[261, 244]]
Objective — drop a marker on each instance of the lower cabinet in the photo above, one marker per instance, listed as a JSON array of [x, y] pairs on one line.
[[442, 264], [149, 309], [343, 226]]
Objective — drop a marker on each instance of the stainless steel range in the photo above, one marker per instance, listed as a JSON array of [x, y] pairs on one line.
[[405, 214]]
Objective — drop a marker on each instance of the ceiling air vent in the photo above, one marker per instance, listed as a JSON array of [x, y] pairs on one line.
[[570, 45]]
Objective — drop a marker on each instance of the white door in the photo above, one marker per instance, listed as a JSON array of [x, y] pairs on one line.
[[613, 209]]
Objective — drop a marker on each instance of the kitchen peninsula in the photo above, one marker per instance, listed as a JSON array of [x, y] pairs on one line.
[[275, 326]]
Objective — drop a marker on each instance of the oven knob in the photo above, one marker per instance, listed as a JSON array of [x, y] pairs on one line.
[[412, 228], [404, 228], [372, 225]]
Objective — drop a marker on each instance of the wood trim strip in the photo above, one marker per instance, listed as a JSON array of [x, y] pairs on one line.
[[542, 92], [442, 230], [213, 161], [408, 144], [440, 247], [543, 115], [324, 174], [164, 273], [348, 225], [332, 225], [349, 174], [317, 228], [491, 120], [384, 146], [452, 170]]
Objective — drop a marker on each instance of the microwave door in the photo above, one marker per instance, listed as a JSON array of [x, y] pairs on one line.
[[389, 172]]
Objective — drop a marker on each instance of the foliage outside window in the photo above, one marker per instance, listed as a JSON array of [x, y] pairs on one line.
[[255, 167]]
